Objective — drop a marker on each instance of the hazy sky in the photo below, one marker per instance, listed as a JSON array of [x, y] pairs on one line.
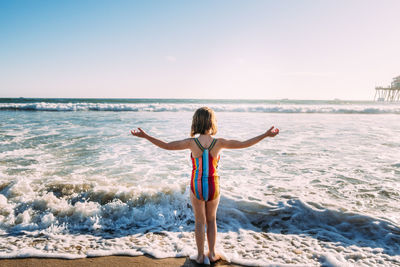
[[198, 49]]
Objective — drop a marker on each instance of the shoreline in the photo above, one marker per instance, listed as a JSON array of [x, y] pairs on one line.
[[114, 261]]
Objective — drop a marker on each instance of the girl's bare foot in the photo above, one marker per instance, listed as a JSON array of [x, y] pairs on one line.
[[214, 257], [200, 259]]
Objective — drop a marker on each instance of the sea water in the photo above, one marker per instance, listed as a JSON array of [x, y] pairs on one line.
[[325, 192]]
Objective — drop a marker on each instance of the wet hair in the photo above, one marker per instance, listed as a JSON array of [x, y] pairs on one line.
[[204, 122]]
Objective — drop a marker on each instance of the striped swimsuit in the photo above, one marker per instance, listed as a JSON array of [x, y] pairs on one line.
[[205, 180]]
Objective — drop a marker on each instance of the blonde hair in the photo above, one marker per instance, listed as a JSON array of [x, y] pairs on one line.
[[203, 122]]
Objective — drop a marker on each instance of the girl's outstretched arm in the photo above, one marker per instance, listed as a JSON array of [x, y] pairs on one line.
[[232, 144], [175, 145]]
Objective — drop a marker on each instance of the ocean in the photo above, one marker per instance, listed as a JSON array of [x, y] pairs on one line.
[[75, 183]]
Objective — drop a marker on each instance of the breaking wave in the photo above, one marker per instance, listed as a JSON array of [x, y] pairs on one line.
[[236, 107]]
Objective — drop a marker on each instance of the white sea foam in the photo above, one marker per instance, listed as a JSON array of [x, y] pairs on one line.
[[324, 192]]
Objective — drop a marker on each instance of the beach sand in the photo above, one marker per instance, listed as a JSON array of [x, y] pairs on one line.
[[114, 261]]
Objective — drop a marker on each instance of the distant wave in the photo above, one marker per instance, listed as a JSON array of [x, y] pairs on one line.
[[237, 107]]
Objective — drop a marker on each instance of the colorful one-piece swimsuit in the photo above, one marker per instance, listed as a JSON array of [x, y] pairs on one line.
[[205, 180]]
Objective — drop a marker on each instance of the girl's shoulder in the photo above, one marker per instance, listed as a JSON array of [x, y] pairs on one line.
[[219, 140]]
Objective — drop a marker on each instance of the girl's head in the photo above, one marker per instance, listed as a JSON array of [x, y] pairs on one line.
[[204, 122]]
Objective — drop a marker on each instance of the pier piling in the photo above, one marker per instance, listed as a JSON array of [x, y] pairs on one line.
[[390, 93]]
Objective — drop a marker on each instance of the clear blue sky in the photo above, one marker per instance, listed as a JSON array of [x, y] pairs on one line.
[[198, 49]]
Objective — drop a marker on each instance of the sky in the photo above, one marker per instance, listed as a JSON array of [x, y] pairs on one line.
[[221, 49]]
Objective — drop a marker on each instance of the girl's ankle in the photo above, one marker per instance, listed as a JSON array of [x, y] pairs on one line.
[[200, 259]]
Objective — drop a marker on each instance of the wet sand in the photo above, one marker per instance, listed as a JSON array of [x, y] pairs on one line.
[[112, 261]]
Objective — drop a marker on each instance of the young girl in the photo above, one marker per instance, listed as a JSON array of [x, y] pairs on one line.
[[204, 183]]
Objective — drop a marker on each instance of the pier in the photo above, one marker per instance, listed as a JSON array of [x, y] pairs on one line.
[[390, 93]]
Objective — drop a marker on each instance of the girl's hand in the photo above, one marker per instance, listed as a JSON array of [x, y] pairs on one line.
[[272, 132], [139, 133]]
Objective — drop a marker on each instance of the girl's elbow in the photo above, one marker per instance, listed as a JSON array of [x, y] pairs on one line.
[[243, 144], [169, 146], [163, 146]]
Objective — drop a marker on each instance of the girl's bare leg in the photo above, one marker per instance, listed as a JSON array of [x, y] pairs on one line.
[[211, 217], [199, 209]]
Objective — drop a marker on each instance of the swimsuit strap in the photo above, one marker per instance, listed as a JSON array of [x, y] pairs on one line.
[[212, 144], [201, 147], [198, 144]]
